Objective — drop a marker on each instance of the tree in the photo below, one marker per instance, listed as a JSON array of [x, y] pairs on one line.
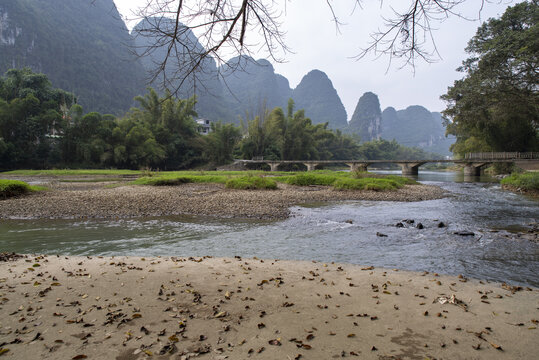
[[227, 26], [221, 142], [30, 118], [496, 105]]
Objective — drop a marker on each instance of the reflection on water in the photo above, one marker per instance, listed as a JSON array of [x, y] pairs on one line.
[[341, 232]]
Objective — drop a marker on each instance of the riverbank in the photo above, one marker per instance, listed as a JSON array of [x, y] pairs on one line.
[[524, 183], [67, 200], [216, 308]]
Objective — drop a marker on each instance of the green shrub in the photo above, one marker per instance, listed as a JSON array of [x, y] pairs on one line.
[[251, 183], [10, 188], [526, 181]]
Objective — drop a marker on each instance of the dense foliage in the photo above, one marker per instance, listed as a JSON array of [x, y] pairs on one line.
[[276, 136], [42, 127], [495, 107], [32, 114]]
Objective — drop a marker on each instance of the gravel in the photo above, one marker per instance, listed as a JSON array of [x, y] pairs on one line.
[[94, 200]]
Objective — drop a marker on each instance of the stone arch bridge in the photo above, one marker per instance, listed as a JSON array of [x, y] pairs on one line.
[[472, 162]]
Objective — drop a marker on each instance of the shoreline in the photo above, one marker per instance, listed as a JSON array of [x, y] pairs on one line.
[[239, 308], [517, 190], [94, 200]]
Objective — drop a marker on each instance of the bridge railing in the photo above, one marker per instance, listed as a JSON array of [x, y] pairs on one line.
[[501, 155]]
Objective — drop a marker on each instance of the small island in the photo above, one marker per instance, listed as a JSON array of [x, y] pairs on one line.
[[117, 194]]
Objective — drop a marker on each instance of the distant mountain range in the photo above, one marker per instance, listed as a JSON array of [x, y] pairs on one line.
[[84, 47]]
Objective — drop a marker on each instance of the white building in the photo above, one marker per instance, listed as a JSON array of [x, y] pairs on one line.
[[203, 126]]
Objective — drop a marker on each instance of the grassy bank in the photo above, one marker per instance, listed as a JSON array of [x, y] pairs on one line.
[[338, 180], [527, 182], [260, 180], [11, 188]]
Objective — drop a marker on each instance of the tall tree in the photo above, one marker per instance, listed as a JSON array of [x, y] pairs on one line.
[[31, 118], [496, 105]]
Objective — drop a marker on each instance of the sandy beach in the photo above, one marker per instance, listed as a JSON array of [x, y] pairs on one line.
[[56, 307], [96, 200]]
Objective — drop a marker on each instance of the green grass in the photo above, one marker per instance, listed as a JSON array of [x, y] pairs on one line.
[[177, 179], [528, 181], [340, 180], [10, 188], [376, 184], [67, 172], [163, 181], [251, 183], [91, 180], [306, 179]]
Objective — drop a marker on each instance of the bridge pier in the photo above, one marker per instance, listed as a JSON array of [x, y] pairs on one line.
[[410, 168], [358, 166], [473, 169], [310, 165], [273, 165]]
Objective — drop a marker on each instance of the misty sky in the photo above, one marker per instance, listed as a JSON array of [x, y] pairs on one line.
[[311, 35]]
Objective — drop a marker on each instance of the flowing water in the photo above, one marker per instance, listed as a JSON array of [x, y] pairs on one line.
[[340, 232]]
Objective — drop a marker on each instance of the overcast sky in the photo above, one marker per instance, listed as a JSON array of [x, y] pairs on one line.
[[311, 35]]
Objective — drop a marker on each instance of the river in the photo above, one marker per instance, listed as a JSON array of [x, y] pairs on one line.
[[340, 232]]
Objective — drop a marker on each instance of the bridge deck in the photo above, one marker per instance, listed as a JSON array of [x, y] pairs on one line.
[[472, 164]]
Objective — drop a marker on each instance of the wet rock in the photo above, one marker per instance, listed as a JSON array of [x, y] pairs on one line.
[[420, 226], [379, 234], [441, 224], [399, 225], [349, 221], [409, 221], [9, 256], [464, 233]]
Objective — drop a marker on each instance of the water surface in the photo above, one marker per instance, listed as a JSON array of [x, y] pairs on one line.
[[340, 232]]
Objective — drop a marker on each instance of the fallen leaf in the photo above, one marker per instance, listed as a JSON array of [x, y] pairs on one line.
[[221, 314], [496, 346], [77, 357], [275, 342]]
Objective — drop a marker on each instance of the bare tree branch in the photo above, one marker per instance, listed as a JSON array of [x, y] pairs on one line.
[[227, 28]]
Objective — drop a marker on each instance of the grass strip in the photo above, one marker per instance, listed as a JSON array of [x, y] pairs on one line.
[[375, 184], [251, 183], [68, 172]]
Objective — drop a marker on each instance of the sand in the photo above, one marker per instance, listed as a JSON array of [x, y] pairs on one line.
[[56, 307]]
